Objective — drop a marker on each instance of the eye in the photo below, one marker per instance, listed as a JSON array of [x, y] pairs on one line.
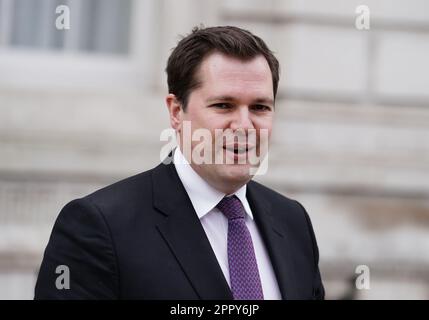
[[222, 105], [260, 107]]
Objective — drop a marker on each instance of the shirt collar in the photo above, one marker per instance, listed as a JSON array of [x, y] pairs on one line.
[[203, 196]]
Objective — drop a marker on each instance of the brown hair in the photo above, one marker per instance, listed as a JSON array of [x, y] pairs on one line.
[[189, 53]]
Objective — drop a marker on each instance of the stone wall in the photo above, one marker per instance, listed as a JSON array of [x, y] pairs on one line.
[[350, 142]]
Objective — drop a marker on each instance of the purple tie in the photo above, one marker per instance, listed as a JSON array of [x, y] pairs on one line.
[[243, 269]]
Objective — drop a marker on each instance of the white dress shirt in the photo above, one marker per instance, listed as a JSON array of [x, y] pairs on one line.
[[204, 198]]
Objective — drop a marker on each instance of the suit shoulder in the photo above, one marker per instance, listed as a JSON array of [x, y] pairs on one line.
[[123, 191]]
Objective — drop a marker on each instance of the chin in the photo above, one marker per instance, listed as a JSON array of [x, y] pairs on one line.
[[237, 173]]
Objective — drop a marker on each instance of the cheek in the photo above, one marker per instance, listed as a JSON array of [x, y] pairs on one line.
[[263, 130], [264, 123], [214, 121], [202, 118]]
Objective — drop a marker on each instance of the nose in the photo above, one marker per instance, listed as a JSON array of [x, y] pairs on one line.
[[242, 119]]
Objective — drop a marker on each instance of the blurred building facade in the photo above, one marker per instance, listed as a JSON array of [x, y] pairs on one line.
[[84, 107]]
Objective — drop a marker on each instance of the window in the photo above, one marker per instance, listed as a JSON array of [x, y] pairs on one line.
[[96, 25], [108, 43]]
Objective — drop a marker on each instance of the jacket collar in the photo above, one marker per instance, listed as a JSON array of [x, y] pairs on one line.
[[185, 236]]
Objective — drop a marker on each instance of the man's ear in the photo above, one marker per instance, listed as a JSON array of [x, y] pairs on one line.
[[176, 111]]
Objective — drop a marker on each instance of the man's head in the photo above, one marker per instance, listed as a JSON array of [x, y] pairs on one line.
[[223, 78], [187, 56]]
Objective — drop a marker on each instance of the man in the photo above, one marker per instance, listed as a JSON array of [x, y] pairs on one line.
[[190, 229]]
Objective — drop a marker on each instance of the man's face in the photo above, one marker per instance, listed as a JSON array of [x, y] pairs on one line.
[[236, 95]]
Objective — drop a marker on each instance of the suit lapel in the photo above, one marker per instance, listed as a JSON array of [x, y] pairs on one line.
[[276, 241], [185, 236]]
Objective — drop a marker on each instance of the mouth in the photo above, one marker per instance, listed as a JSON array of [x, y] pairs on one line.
[[238, 149]]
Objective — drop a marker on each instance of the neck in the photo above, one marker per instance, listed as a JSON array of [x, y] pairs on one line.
[[228, 187]]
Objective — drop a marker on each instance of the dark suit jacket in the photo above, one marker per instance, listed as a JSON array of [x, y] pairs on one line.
[[140, 238]]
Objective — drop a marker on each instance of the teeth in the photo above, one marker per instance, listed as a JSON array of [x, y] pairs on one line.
[[236, 150]]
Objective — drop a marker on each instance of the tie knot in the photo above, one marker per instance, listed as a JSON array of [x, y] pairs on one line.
[[231, 207]]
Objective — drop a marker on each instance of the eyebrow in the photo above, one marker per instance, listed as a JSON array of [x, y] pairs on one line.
[[230, 98]]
